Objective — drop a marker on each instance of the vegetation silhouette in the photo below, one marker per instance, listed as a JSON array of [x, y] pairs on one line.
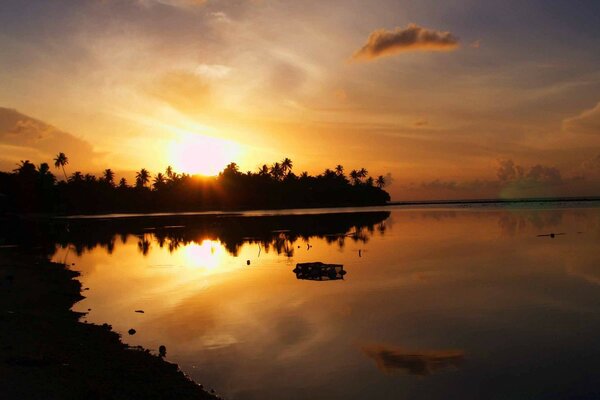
[[31, 189], [281, 233]]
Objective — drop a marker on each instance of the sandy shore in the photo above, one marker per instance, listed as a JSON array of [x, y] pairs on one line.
[[46, 353]]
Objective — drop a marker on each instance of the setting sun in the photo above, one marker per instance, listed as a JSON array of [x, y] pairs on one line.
[[204, 155]]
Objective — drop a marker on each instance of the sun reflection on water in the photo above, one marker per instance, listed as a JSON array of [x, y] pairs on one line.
[[208, 254]]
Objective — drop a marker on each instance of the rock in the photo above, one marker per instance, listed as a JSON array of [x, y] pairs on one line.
[[139, 311], [131, 331], [162, 350]]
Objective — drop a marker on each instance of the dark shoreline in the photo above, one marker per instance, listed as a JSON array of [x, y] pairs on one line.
[[46, 353]]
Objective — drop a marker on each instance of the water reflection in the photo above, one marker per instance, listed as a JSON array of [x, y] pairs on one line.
[[436, 303], [231, 231], [390, 360]]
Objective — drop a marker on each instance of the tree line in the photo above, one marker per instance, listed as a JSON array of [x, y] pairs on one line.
[[31, 188]]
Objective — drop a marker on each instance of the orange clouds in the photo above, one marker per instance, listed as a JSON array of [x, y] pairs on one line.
[[588, 122], [412, 38], [390, 360]]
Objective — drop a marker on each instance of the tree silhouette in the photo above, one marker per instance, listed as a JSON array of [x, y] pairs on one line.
[[60, 161], [171, 175], [362, 173], [277, 171], [109, 176], [31, 189], [355, 176], [142, 178], [286, 166], [264, 170], [77, 177], [159, 181], [25, 168], [380, 182]]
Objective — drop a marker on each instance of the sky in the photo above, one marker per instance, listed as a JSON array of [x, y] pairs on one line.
[[453, 99]]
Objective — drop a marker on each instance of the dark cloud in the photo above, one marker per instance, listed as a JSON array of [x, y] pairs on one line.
[[390, 360], [414, 37], [538, 174], [24, 137]]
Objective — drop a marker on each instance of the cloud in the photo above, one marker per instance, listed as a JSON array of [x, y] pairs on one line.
[[175, 3], [538, 174], [390, 360], [588, 122], [24, 137], [412, 38], [188, 92]]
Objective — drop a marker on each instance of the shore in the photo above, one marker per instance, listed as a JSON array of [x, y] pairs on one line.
[[46, 353]]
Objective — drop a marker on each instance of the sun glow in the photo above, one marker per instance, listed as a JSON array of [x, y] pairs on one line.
[[199, 154], [208, 254]]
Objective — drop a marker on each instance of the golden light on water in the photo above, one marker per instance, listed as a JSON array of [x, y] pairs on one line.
[[204, 155], [207, 255]]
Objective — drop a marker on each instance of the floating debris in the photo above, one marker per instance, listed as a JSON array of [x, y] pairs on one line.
[[551, 235], [247, 262], [131, 331], [318, 271], [139, 311]]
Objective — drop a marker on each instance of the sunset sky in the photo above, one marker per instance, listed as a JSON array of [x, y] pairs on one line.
[[456, 99]]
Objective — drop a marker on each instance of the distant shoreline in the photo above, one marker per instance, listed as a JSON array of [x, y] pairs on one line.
[[494, 201], [304, 210]]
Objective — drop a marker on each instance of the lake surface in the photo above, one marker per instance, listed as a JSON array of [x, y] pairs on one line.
[[436, 303]]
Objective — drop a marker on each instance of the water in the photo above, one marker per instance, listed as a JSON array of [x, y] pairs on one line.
[[457, 302]]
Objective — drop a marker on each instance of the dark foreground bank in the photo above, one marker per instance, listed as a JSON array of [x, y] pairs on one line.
[[46, 353]]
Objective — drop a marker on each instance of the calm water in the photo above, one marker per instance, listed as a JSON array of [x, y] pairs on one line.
[[436, 303]]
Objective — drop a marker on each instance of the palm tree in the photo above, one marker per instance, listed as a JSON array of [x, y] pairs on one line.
[[123, 183], [169, 172], [26, 168], [60, 161], [286, 166], [159, 181], [380, 182], [276, 171], [142, 178], [355, 176], [264, 170], [370, 181], [362, 173], [339, 170], [77, 177], [109, 176]]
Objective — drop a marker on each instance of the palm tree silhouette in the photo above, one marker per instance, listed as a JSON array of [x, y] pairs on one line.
[[77, 177], [276, 171], [339, 170], [362, 173], [380, 182], [286, 166], [355, 176], [109, 176], [159, 181], [264, 170], [142, 178], [123, 183], [60, 161], [169, 172]]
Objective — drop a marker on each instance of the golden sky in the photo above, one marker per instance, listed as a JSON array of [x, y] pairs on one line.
[[454, 99]]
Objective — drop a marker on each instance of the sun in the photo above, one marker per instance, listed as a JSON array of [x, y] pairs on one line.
[[204, 155]]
